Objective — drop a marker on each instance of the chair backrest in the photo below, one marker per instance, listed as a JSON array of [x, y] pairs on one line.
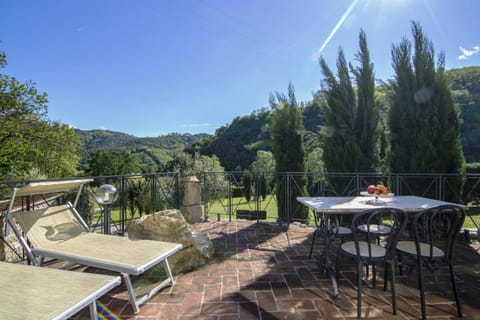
[[439, 227], [395, 219], [45, 226]]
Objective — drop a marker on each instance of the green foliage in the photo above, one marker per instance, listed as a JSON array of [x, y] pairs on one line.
[[263, 169], [465, 86], [234, 144], [421, 98], [196, 165], [152, 153], [351, 136], [367, 118], [288, 150], [313, 117], [109, 163], [32, 146], [340, 148], [139, 196], [264, 163], [247, 185]]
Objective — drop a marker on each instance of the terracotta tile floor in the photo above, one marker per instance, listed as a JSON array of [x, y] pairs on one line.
[[262, 271]]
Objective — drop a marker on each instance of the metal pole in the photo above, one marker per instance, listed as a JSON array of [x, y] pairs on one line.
[[205, 193], [106, 218], [123, 202]]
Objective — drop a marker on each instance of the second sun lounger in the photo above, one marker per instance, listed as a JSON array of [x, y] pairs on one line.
[[59, 232], [44, 293]]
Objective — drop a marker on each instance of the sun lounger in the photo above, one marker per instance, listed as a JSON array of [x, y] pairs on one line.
[[44, 293], [59, 232]]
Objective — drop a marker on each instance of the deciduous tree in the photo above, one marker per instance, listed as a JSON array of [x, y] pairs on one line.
[[32, 145]]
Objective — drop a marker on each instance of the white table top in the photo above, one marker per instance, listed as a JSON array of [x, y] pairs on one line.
[[355, 204]]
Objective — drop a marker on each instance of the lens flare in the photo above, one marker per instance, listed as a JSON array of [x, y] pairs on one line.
[[338, 25]]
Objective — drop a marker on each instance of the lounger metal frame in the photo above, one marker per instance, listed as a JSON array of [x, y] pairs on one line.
[[165, 250]]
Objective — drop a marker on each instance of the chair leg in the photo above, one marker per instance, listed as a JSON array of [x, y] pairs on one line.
[[394, 290], [359, 289], [385, 276], [400, 264], [455, 292], [421, 287], [313, 242]]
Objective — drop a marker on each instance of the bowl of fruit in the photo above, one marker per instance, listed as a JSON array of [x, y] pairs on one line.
[[377, 191]]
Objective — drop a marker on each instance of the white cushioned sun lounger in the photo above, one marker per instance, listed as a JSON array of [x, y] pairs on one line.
[[44, 293], [59, 232]]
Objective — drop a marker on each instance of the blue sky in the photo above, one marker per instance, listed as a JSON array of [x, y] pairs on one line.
[[152, 67]]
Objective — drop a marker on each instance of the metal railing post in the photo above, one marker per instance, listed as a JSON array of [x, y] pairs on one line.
[[205, 192], [123, 204]]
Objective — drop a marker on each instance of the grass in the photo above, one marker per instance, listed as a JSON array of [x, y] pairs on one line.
[[472, 220]]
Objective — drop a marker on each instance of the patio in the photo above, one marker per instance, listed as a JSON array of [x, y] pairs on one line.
[[262, 271]]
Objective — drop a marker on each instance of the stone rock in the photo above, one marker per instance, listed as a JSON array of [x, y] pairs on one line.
[[169, 226], [191, 206], [203, 244]]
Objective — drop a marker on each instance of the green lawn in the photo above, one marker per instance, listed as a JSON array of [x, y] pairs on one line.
[[270, 206]]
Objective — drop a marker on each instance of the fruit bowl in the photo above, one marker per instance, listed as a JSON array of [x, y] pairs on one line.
[[366, 194]]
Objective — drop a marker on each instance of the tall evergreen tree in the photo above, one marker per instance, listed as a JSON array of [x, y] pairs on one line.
[[423, 119], [351, 134], [340, 149], [367, 117], [289, 153]]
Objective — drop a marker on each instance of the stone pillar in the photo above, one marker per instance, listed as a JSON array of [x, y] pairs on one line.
[[191, 206]]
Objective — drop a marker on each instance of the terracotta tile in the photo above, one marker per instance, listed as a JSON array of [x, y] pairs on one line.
[[293, 281], [192, 304], [149, 309], [208, 279], [169, 311], [213, 292], [280, 290], [266, 301], [245, 275], [281, 315], [294, 305], [327, 309], [263, 272], [219, 308]]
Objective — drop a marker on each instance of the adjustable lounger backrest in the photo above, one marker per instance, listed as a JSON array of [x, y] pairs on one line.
[[47, 226]]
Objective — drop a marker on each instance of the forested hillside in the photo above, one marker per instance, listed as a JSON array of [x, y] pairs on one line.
[[152, 152], [236, 144], [465, 85]]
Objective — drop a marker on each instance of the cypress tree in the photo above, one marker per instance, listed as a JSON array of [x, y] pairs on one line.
[[367, 117], [340, 150], [351, 135], [423, 119], [289, 153]]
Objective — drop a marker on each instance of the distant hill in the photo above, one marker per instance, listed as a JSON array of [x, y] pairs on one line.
[[153, 152], [235, 144]]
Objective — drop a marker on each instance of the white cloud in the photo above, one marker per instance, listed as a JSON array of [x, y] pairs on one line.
[[468, 53]]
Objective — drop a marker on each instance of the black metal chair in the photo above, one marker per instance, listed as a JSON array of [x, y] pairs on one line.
[[331, 224], [366, 251], [435, 232]]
